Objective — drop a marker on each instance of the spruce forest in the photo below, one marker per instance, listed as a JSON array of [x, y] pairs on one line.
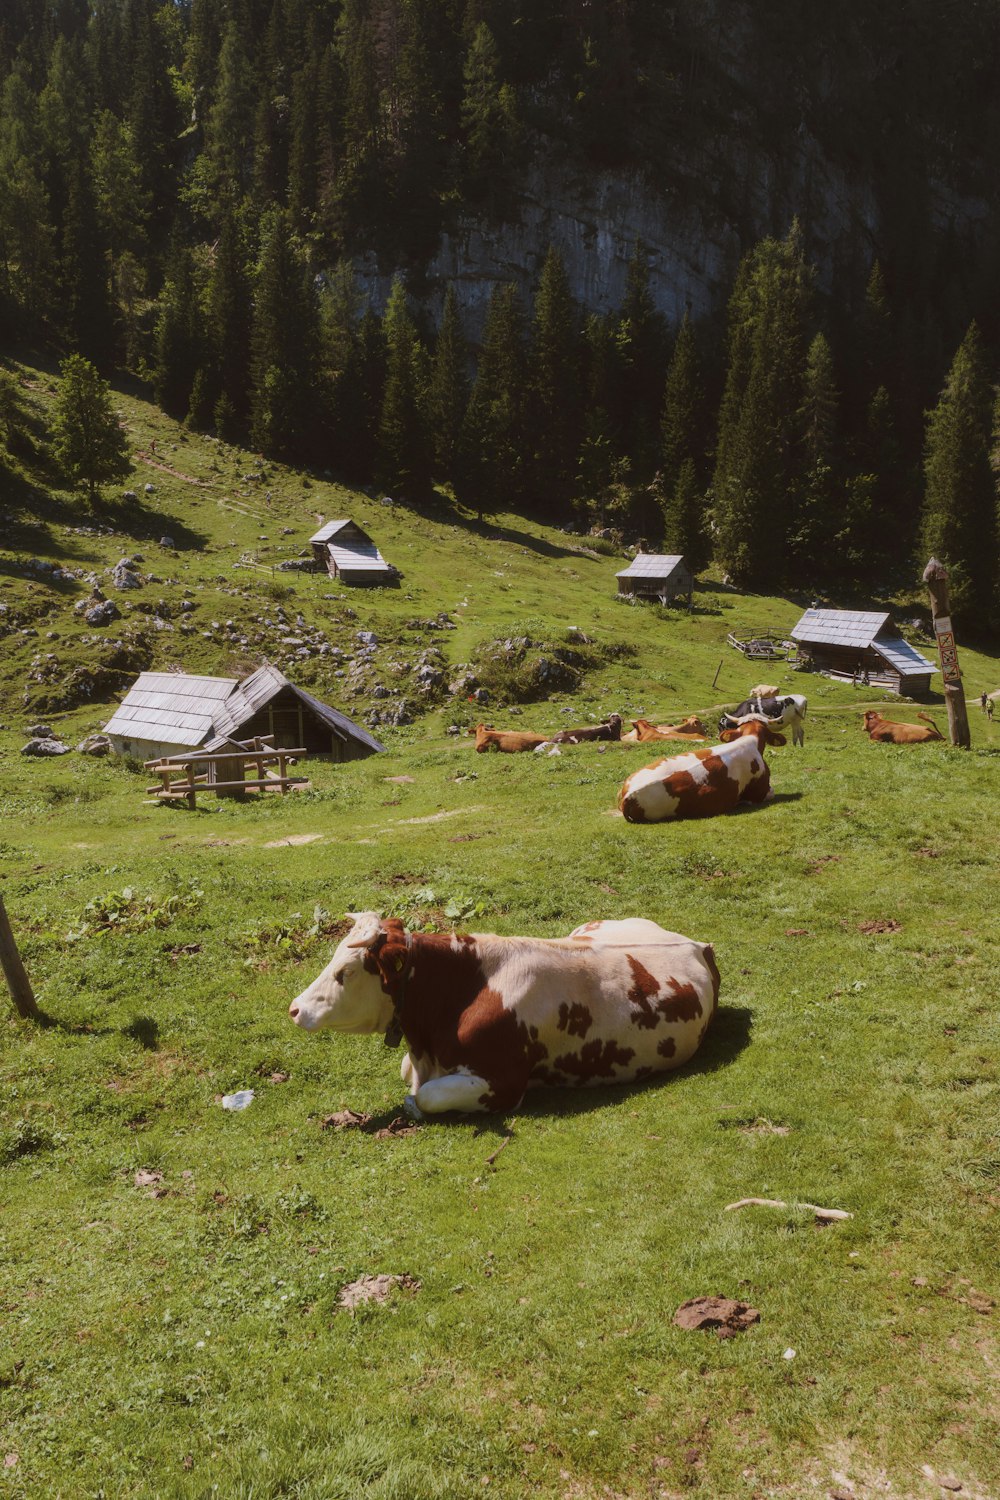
[[238, 202]]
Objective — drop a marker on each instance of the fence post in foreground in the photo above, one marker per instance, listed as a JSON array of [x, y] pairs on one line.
[[17, 980], [936, 579]]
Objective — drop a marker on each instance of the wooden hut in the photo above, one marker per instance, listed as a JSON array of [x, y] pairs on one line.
[[855, 644], [347, 553], [167, 713], [654, 576]]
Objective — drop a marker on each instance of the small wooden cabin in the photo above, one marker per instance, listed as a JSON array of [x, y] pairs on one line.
[[654, 576], [347, 553], [850, 644], [166, 713]]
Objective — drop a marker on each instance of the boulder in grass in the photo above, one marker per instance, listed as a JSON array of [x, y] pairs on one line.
[[95, 744], [41, 731], [45, 746], [102, 613]]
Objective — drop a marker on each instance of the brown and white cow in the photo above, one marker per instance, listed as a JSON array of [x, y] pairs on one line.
[[611, 729], [509, 741], [485, 1017], [690, 728], [891, 732], [703, 783]]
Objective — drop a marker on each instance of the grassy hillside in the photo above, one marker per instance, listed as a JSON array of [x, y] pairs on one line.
[[177, 1333]]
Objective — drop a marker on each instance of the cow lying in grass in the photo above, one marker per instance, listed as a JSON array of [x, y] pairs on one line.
[[787, 712], [611, 729], [484, 1018], [690, 728], [891, 732], [703, 783], [508, 741]]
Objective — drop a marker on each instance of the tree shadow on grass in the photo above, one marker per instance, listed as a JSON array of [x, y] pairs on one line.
[[492, 531], [145, 1031]]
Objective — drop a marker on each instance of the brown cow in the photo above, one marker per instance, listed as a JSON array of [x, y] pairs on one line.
[[690, 728], [611, 729], [702, 783], [485, 1017], [509, 741], [891, 732]]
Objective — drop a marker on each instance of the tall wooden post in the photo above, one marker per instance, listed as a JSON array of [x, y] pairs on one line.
[[936, 579], [20, 988]]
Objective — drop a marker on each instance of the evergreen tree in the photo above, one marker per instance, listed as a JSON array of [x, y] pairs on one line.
[[959, 516], [641, 338], [555, 412], [284, 345], [26, 231], [228, 328], [357, 401], [489, 118], [449, 388], [682, 450], [229, 127], [179, 341], [490, 468], [403, 459], [89, 441], [758, 456], [818, 511]]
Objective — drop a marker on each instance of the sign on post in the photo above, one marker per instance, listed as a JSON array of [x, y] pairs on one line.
[[936, 579]]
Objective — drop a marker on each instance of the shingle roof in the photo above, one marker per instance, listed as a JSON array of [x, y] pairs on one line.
[[330, 529], [174, 707], [650, 565], [178, 708], [359, 558], [839, 627], [905, 658]]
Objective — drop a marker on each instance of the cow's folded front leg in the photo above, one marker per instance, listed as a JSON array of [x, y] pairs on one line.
[[464, 1091]]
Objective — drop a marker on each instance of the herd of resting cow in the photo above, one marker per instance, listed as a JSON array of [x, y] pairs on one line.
[[486, 1017]]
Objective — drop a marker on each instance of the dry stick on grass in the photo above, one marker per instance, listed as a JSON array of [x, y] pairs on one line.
[[821, 1213], [505, 1142], [17, 980]]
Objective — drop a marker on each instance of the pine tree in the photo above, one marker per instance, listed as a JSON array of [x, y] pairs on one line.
[[489, 118], [758, 455], [555, 409], [959, 516], [448, 396], [284, 345], [818, 514], [403, 458], [357, 401], [641, 341], [679, 483], [179, 341], [228, 304], [26, 231], [89, 441], [490, 468]]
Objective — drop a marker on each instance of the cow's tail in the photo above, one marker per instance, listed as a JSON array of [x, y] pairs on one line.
[[928, 720]]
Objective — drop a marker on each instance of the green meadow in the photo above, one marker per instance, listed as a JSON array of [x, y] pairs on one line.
[[170, 1272]]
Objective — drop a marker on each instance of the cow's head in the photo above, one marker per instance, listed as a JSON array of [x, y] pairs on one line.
[[350, 994], [762, 733], [871, 720]]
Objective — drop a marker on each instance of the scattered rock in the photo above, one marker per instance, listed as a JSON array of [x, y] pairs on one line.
[[374, 1289], [43, 731], [168, 542], [45, 747], [95, 744], [103, 613], [722, 1314], [149, 489]]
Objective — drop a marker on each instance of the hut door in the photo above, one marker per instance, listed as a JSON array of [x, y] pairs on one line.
[[286, 727]]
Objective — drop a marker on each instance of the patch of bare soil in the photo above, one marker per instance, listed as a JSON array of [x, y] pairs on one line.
[[927, 853], [725, 1316], [880, 924], [292, 840], [154, 463], [439, 817], [374, 1289], [399, 1126], [824, 859]]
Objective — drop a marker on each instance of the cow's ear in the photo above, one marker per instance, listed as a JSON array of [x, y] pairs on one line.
[[366, 930], [773, 738], [728, 735]]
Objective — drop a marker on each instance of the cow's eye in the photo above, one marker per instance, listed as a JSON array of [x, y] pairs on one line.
[[338, 977]]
